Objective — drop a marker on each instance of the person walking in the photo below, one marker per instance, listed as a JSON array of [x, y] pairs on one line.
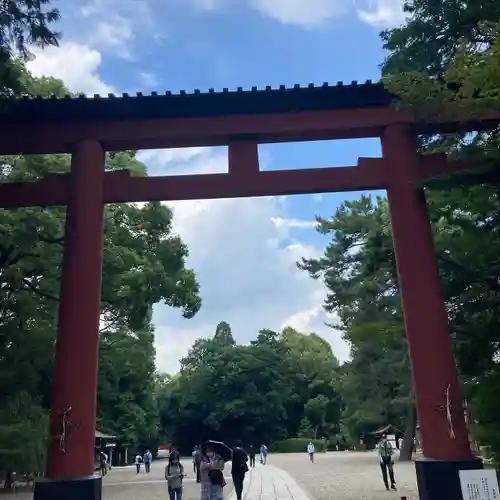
[[311, 450], [137, 461], [239, 468], [174, 474], [193, 455], [148, 458], [197, 456], [103, 463], [386, 452], [263, 454], [251, 455]]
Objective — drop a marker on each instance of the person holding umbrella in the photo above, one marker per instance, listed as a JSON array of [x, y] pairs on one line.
[[215, 454]]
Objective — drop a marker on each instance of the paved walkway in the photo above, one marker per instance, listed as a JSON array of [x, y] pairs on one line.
[[267, 482]]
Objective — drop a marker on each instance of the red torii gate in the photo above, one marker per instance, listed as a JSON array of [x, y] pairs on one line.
[[87, 128]]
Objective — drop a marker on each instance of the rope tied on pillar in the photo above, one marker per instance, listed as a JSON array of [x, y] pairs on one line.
[[448, 408], [449, 416], [64, 428], [66, 425]]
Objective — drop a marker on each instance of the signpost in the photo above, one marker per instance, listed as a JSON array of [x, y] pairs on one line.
[[479, 484]]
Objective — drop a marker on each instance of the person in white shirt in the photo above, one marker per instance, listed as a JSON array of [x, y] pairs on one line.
[[310, 451], [137, 461]]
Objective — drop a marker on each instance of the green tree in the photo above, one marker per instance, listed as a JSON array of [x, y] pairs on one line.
[[144, 263], [23, 23], [358, 268], [449, 53], [313, 372], [257, 392]]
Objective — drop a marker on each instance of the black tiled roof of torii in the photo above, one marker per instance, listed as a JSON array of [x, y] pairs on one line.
[[184, 104]]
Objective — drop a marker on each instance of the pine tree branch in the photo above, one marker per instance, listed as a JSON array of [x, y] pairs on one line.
[[39, 292], [47, 239]]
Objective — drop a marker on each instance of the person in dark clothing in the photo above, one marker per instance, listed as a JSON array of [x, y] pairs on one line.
[[239, 468], [251, 455], [197, 457]]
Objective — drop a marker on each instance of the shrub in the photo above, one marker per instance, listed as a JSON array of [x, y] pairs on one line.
[[339, 442], [297, 445]]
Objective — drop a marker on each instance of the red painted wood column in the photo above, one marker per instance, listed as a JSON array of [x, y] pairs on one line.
[[74, 390], [442, 425]]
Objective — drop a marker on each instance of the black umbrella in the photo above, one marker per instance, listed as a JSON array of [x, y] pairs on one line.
[[220, 448]]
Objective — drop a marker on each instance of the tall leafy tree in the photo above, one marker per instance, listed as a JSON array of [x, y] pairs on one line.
[[446, 59], [446, 54], [358, 268], [144, 263], [259, 392]]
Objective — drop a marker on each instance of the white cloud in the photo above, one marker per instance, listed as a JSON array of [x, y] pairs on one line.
[[77, 65], [194, 160], [306, 13], [115, 33], [115, 25], [293, 223], [384, 13], [245, 259], [149, 80], [312, 13]]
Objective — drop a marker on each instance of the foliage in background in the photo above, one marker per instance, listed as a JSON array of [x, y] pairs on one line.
[[298, 445], [23, 23], [260, 393], [358, 268], [447, 53]]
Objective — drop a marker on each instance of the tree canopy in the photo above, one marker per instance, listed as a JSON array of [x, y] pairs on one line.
[[281, 385], [446, 54]]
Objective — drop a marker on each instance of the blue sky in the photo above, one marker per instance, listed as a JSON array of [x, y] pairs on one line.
[[244, 251]]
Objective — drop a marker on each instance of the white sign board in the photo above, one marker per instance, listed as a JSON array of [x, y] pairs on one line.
[[479, 484]]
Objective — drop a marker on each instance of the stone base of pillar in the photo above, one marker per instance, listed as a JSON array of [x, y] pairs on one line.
[[439, 479], [82, 488]]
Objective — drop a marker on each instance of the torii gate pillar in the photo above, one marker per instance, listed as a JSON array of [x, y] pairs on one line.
[[444, 435], [70, 454]]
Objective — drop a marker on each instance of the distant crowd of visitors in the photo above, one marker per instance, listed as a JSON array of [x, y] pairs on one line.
[[209, 462]]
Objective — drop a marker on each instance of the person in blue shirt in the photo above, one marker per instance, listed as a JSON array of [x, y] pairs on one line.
[[148, 457], [263, 454]]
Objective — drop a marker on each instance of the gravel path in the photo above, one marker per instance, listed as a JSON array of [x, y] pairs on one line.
[[347, 476], [334, 476]]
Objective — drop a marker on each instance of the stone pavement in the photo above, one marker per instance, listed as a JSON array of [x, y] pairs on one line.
[[267, 482]]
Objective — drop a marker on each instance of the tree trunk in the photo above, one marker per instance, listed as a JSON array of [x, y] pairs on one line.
[[406, 451]]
